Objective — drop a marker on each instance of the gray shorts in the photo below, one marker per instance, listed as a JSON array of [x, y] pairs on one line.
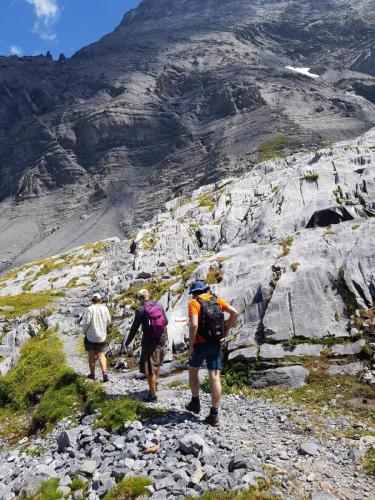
[[95, 346]]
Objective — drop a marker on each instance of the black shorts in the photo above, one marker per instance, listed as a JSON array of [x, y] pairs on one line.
[[95, 346]]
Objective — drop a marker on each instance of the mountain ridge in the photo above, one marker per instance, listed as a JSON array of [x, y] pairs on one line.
[[171, 100]]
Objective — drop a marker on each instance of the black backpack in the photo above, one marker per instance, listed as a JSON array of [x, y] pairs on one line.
[[211, 325]]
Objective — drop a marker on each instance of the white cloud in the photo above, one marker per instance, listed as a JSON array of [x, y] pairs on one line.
[[47, 13], [15, 50]]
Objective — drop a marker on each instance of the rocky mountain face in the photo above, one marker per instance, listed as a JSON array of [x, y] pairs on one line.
[[180, 95], [290, 245]]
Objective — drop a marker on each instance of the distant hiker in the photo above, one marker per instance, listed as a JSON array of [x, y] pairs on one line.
[[152, 317], [95, 322], [208, 329], [133, 247]]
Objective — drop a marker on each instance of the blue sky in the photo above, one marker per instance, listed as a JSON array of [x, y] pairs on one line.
[[29, 27]]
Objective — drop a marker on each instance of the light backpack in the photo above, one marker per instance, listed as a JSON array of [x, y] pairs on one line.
[[212, 324], [156, 320]]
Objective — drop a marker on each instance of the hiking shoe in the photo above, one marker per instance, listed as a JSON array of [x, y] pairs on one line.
[[105, 377], [212, 420], [193, 406], [150, 399], [90, 376]]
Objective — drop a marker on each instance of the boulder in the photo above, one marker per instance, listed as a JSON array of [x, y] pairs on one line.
[[193, 444], [68, 439], [308, 448], [245, 355], [349, 369], [287, 377]]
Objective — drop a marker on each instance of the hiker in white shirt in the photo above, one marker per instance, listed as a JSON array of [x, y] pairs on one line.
[[95, 322]]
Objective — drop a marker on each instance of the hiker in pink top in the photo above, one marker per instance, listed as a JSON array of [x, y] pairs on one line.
[[152, 317]]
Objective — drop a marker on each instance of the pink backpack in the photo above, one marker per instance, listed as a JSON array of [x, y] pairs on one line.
[[156, 320]]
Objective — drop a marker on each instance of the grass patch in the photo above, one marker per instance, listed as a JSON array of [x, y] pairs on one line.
[[41, 390], [294, 266], [129, 488], [321, 389], [286, 246], [369, 461], [273, 148], [114, 412], [206, 201], [234, 380], [23, 303], [214, 276], [311, 177], [148, 241], [78, 484], [35, 451], [48, 490]]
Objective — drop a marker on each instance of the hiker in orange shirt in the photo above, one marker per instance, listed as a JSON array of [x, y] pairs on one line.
[[208, 329]]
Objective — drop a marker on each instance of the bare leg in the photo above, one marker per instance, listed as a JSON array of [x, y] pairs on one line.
[[194, 381], [92, 358], [152, 379], [102, 361], [214, 376]]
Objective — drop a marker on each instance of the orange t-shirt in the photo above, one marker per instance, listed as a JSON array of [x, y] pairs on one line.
[[195, 309]]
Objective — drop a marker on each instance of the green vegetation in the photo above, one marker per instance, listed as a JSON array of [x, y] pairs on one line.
[[326, 143], [273, 148], [41, 390], [23, 303], [78, 484], [35, 451], [234, 379], [48, 490], [214, 276], [129, 488], [369, 461], [114, 412], [206, 201], [347, 295], [339, 197], [321, 389], [258, 492], [148, 241], [294, 266], [310, 177], [286, 245]]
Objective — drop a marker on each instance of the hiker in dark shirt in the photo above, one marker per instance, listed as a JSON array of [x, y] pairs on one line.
[[151, 316]]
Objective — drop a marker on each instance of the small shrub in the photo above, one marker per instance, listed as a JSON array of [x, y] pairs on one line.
[[214, 276], [114, 412], [311, 177], [48, 490], [369, 461], [366, 352], [78, 484], [273, 148], [294, 266], [286, 245], [234, 379], [129, 488], [206, 201]]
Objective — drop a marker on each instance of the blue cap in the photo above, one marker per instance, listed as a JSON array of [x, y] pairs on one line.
[[198, 286]]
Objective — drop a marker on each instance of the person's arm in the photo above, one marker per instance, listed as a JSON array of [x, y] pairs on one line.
[[135, 326], [193, 329], [86, 320], [232, 320]]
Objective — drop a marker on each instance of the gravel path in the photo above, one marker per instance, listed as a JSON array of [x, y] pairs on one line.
[[277, 439]]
